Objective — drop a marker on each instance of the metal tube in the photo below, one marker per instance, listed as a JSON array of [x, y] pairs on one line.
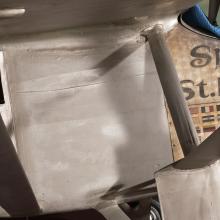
[[135, 197], [213, 10], [172, 89]]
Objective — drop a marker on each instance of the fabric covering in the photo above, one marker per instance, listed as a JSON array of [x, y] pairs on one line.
[[196, 18]]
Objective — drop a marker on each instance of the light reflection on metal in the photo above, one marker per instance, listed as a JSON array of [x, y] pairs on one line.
[[10, 13]]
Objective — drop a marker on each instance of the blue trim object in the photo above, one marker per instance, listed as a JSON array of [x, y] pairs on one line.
[[196, 18]]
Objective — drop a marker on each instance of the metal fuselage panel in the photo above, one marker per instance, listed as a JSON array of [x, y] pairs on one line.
[[88, 110], [47, 15], [87, 119]]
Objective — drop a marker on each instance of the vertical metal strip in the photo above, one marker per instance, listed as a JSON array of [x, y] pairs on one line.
[[213, 10], [172, 89]]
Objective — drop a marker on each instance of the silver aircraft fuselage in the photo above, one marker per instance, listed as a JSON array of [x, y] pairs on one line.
[[47, 15], [86, 106]]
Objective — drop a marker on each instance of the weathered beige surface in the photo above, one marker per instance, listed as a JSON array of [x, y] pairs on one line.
[[181, 43], [47, 15], [190, 188], [87, 119], [192, 194]]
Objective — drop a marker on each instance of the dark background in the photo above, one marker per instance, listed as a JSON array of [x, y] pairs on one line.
[[89, 214]]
